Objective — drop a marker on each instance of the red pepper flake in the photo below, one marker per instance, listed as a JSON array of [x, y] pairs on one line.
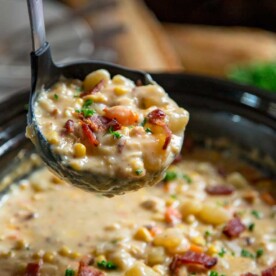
[[249, 274], [172, 215], [191, 258], [32, 269], [69, 126], [85, 270], [97, 88], [234, 228], [220, 190], [89, 135], [271, 271]]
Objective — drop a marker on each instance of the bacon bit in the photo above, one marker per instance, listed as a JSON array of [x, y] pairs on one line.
[[121, 144], [69, 126], [114, 124], [97, 88], [85, 270], [172, 215], [271, 271], [249, 274], [157, 117], [268, 198], [122, 115], [32, 269], [196, 248], [154, 230], [97, 123], [222, 171], [220, 190], [234, 228], [192, 258], [250, 196], [88, 133]]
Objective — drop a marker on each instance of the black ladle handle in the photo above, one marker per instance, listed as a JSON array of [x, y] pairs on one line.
[[35, 8]]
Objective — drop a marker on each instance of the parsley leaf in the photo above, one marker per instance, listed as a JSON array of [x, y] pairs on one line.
[[139, 172], [259, 253], [87, 112], [106, 265], [222, 252], [256, 214], [115, 134], [170, 175], [148, 130], [69, 272], [56, 97], [144, 122], [251, 227], [247, 254], [207, 234], [87, 103], [187, 178]]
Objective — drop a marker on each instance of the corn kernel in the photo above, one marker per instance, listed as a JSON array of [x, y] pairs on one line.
[[120, 91], [64, 251], [53, 138], [7, 254], [38, 255], [75, 165], [75, 255], [212, 250], [198, 240], [79, 150], [97, 98], [119, 79], [49, 257], [20, 244], [143, 234]]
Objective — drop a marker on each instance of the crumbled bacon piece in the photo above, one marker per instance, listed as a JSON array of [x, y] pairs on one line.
[[69, 126], [268, 198], [220, 190], [89, 135], [191, 258], [85, 270], [172, 215], [157, 117], [97, 88], [233, 228], [271, 271], [249, 274], [114, 124], [32, 269], [177, 159]]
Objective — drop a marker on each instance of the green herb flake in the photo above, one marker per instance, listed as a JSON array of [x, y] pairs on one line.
[[247, 254], [207, 234], [87, 103], [139, 172], [256, 214], [213, 273], [222, 252], [251, 227], [187, 178], [259, 253], [173, 196], [148, 130], [87, 112], [115, 134], [170, 176], [56, 97], [144, 122], [77, 110], [106, 265], [69, 272]]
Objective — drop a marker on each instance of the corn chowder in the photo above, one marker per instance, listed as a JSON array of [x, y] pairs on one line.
[[204, 218], [112, 127]]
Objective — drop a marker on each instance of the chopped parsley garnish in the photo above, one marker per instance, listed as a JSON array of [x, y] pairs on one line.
[[87, 103], [56, 97], [222, 252], [207, 234], [256, 214], [247, 254], [106, 265], [139, 172], [115, 134], [87, 112], [170, 175], [144, 122], [69, 272], [148, 130], [251, 227], [78, 91], [187, 178], [259, 253], [173, 196]]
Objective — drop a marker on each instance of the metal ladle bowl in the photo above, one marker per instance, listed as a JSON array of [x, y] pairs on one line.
[[44, 74]]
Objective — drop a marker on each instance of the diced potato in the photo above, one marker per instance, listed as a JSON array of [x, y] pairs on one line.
[[237, 180], [94, 78], [156, 255], [140, 269], [169, 238], [213, 214], [143, 234], [190, 207]]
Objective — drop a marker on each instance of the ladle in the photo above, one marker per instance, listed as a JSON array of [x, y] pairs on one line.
[[44, 74]]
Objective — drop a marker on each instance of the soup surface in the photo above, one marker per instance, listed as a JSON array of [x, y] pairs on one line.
[[111, 127], [204, 218]]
